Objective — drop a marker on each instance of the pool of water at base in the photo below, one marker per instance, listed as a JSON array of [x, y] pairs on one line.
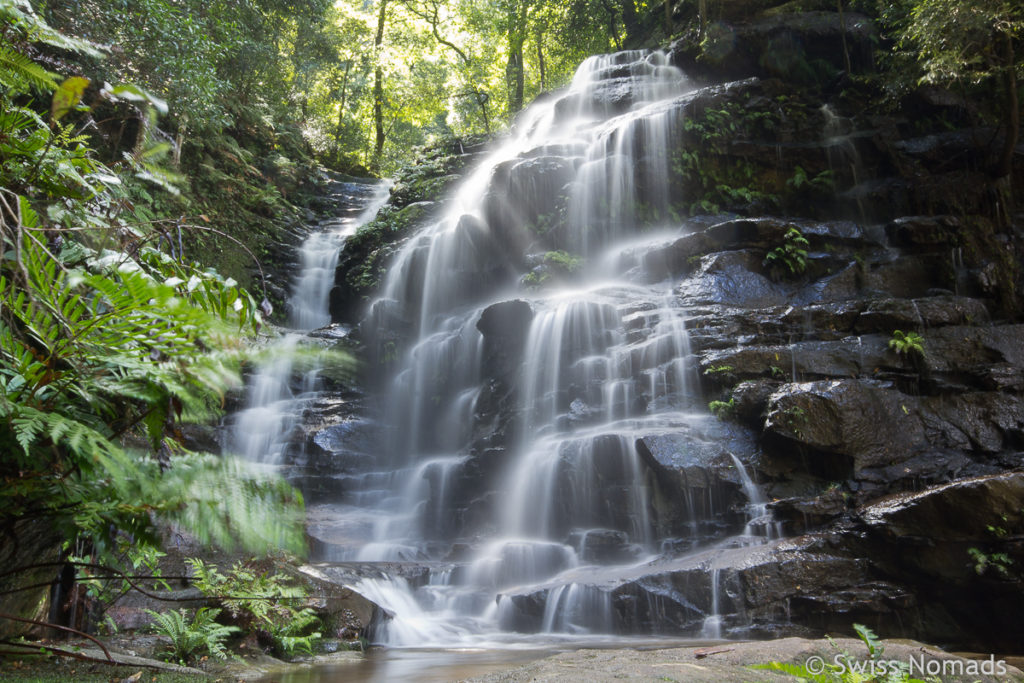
[[440, 665]]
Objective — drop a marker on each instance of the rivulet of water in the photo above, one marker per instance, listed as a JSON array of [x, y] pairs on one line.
[[262, 431]]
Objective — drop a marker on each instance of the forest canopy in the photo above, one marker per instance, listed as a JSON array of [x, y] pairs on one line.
[[364, 81]]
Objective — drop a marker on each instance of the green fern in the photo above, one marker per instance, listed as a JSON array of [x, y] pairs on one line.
[[907, 343], [263, 601], [288, 632], [796, 670], [790, 258], [19, 73], [202, 634]]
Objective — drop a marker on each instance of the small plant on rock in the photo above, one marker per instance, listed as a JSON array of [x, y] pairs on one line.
[[723, 409], [909, 344], [790, 258], [189, 638], [823, 181], [998, 563]]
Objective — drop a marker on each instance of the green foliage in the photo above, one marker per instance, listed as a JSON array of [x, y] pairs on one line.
[[556, 265], [714, 178], [956, 42], [264, 601], [910, 344], [202, 634], [983, 562], [841, 669], [719, 369], [823, 181], [107, 344], [789, 259], [19, 73], [563, 260], [723, 409]]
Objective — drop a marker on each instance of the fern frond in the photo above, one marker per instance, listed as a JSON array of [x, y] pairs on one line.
[[796, 670], [19, 73], [188, 639]]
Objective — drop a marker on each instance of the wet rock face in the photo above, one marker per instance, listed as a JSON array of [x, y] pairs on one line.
[[954, 545], [868, 424], [815, 402], [794, 46], [783, 588]]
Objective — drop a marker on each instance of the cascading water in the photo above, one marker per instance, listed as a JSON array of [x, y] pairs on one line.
[[262, 432], [514, 411]]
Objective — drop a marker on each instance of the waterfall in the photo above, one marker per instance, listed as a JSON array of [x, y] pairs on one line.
[[262, 432], [520, 391]]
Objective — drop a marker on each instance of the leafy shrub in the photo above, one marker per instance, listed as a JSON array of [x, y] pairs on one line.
[[262, 601], [108, 344], [202, 634]]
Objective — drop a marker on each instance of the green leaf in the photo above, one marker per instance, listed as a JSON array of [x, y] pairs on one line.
[[68, 95], [134, 93]]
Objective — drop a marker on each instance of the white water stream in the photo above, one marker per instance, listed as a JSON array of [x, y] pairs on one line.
[[519, 494], [262, 432]]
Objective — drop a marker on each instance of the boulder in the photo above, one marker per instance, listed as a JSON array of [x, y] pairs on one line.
[[800, 47], [955, 545], [504, 327], [862, 420]]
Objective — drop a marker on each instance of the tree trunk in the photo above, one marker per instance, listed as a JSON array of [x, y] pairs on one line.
[[1004, 165], [514, 74], [668, 18], [629, 18], [613, 29], [479, 95], [702, 16], [378, 88], [341, 112], [515, 77], [481, 101], [540, 59]]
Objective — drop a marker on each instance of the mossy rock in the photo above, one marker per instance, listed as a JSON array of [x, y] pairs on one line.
[[363, 260]]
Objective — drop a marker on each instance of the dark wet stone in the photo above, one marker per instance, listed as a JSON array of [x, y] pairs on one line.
[[732, 278], [605, 546], [923, 231], [698, 484], [779, 588], [782, 46], [800, 515], [504, 327], [916, 314], [751, 399], [864, 421], [925, 540]]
